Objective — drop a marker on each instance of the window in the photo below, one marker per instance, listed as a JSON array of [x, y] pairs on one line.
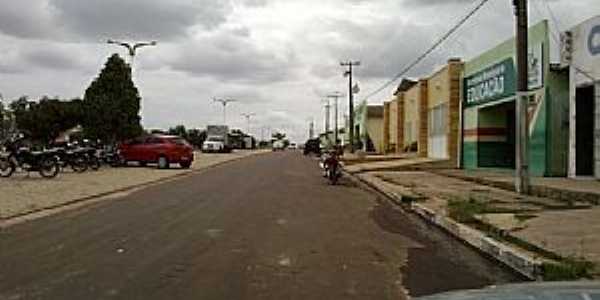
[[438, 117], [179, 141], [154, 140]]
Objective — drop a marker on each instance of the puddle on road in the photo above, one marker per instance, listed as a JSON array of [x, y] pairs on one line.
[[438, 262]]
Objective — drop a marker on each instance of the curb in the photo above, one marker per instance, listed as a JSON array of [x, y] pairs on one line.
[[79, 202], [517, 260]]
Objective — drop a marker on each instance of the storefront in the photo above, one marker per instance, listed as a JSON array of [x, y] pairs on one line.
[[489, 87], [415, 123], [443, 106], [368, 122], [583, 57], [393, 118]]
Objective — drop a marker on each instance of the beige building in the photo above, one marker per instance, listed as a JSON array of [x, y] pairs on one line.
[[415, 119], [393, 119], [424, 115], [443, 111]]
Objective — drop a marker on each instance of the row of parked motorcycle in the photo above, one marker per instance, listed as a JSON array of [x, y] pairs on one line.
[[16, 155]]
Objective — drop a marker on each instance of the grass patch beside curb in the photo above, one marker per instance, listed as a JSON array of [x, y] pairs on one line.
[[568, 269], [465, 211]]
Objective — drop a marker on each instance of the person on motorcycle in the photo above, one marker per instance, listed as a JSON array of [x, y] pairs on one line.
[[331, 161]]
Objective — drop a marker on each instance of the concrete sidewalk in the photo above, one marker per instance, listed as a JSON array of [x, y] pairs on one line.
[[564, 189], [21, 195], [522, 231], [407, 163]]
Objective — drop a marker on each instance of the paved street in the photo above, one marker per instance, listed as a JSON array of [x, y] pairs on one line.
[[265, 227]]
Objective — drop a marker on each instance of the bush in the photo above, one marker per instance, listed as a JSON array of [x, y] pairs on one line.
[[465, 211], [568, 269]]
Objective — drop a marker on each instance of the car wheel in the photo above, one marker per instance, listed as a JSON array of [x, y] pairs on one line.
[[163, 162], [185, 165]]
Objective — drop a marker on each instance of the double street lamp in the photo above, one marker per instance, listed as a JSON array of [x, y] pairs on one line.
[[224, 102], [248, 116], [132, 48]]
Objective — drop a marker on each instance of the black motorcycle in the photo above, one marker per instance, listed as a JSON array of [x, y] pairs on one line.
[[44, 162], [92, 155], [93, 158], [110, 156], [332, 168], [73, 157]]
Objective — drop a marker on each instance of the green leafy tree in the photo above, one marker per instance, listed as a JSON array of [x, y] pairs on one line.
[[44, 120], [278, 136], [196, 137], [178, 130], [112, 104]]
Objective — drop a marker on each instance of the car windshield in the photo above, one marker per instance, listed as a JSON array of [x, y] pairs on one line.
[[297, 149]]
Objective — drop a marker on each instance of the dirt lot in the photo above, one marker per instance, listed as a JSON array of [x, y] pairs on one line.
[[21, 194]]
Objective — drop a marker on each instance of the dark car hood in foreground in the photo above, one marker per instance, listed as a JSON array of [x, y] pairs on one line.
[[581, 290]]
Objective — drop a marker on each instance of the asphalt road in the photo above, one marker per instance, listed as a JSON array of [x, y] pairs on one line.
[[266, 227]]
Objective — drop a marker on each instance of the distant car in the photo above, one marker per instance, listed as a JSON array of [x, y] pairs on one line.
[[312, 146], [160, 149], [278, 146], [293, 146], [214, 144]]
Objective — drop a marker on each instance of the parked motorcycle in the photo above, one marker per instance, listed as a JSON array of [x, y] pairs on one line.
[[110, 156], [92, 155], [72, 156], [44, 162]]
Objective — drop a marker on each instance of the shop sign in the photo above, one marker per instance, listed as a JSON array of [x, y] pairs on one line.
[[493, 83], [593, 41], [535, 78]]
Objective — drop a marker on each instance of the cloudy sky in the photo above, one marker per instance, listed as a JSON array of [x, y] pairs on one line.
[[278, 58]]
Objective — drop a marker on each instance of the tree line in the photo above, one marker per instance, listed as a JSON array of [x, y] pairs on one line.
[[109, 110]]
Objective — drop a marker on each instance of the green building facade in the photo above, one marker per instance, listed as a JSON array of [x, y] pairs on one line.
[[489, 89]]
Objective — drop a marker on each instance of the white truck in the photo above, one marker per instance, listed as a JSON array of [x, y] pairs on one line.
[[217, 139]]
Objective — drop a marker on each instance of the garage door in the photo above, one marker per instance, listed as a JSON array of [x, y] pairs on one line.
[[438, 139]]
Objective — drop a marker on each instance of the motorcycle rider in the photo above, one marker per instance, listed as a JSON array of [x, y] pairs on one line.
[[331, 161]]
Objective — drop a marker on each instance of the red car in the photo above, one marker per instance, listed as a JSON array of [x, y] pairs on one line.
[[160, 149]]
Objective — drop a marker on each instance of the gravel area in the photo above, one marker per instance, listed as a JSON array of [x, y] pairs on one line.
[[21, 193]]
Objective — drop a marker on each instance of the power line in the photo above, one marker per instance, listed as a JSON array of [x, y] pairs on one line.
[[462, 21], [555, 36]]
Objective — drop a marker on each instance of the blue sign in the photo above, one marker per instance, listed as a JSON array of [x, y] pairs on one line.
[[594, 40]]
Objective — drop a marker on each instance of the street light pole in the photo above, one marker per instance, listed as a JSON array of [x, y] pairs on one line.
[[522, 99], [335, 96], [224, 102], [132, 49], [327, 117], [248, 116], [350, 64]]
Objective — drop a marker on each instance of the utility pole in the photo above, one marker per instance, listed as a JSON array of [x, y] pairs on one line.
[[311, 129], [248, 116], [522, 100], [335, 97], [350, 64], [3, 111], [224, 102]]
